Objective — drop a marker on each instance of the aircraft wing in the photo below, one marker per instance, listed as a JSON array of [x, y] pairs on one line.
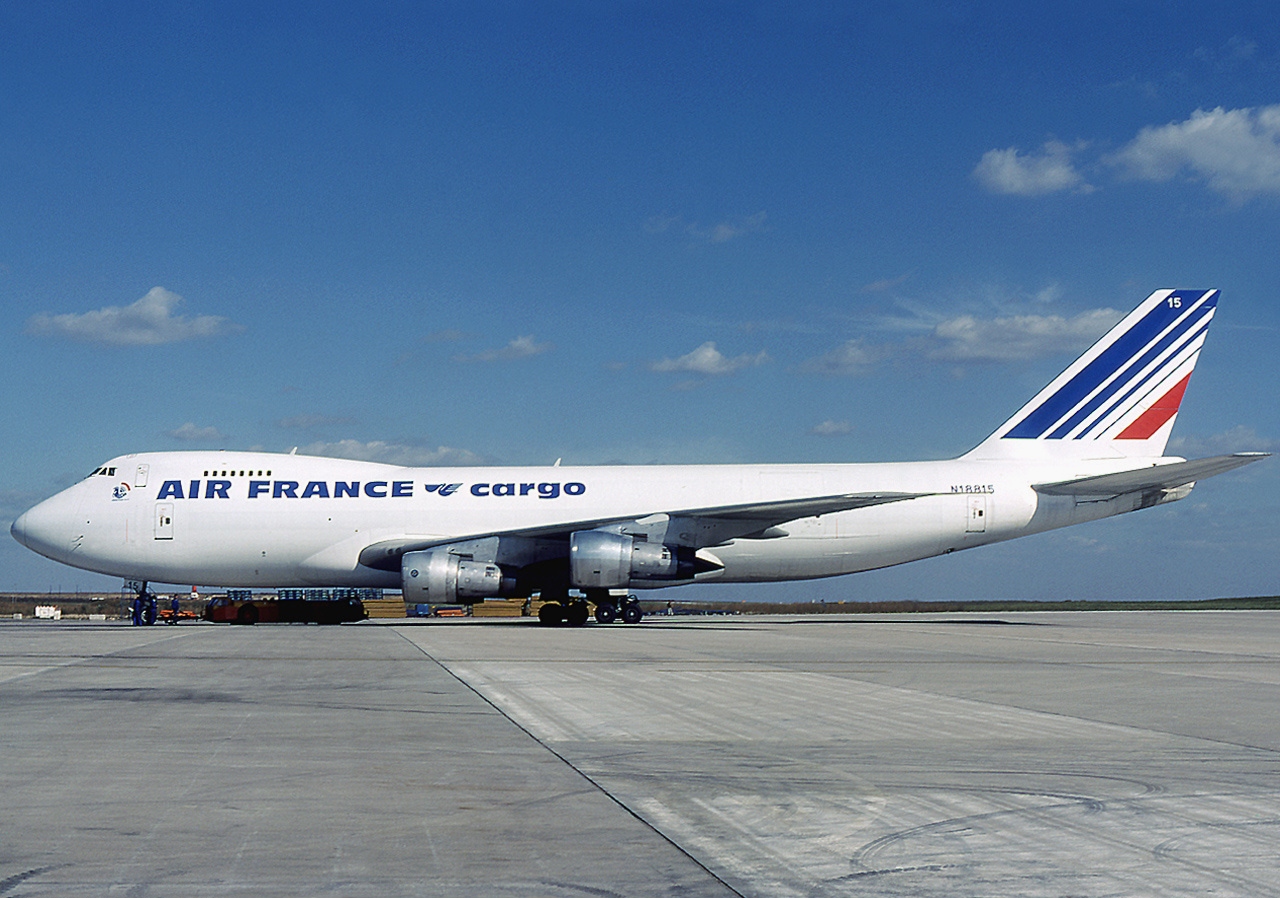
[[692, 527], [766, 514], [1155, 477]]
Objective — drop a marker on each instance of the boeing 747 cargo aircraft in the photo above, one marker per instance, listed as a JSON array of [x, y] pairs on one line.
[[1089, 445]]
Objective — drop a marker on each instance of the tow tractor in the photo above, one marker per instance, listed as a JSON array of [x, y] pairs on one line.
[[235, 608]]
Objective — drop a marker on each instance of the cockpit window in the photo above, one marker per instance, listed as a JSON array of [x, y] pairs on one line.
[[103, 472]]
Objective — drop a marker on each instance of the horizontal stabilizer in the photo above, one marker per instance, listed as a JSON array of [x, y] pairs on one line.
[[1170, 476]]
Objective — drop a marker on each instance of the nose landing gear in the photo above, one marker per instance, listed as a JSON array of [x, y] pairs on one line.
[[144, 609]]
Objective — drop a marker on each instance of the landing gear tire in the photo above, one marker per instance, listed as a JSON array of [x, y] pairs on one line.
[[606, 613], [575, 614], [551, 614], [247, 614], [631, 612]]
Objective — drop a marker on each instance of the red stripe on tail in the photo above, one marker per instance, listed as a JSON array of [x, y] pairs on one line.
[[1158, 415]]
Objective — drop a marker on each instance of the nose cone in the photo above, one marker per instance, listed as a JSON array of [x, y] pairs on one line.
[[19, 529], [48, 527]]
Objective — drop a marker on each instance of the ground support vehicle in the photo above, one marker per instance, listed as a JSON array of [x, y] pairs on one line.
[[285, 611]]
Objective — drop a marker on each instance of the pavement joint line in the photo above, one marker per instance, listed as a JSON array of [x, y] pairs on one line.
[[1005, 703], [593, 782], [97, 656]]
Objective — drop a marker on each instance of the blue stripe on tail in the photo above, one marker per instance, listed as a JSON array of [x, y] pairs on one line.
[[1038, 422], [1198, 317], [1200, 331]]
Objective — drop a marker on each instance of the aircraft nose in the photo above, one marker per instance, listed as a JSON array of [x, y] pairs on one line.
[[19, 529], [47, 527]]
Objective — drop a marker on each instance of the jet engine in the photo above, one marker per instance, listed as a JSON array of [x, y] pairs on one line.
[[439, 577], [603, 560]]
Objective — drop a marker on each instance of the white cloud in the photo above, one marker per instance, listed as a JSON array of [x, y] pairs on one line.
[[830, 428], [1238, 439], [394, 453], [1236, 50], [706, 359], [1236, 152], [729, 230], [15, 502], [1049, 171], [885, 284], [1017, 337], [851, 357], [148, 322], [519, 348], [660, 224], [1049, 294], [190, 433], [451, 335], [307, 422], [721, 232], [968, 338]]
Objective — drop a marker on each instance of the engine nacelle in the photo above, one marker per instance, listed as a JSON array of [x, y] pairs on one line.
[[438, 577], [600, 560]]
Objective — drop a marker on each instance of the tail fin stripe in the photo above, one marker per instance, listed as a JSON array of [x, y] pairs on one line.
[[1052, 410], [1176, 357], [1096, 373], [1133, 374], [1155, 417], [1121, 397]]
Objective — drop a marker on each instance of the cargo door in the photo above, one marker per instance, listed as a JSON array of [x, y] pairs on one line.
[[977, 515], [164, 520]]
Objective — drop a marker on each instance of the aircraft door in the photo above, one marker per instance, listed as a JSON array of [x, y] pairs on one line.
[[977, 522], [140, 478], [164, 520]]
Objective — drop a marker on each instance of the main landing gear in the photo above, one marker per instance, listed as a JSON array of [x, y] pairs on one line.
[[573, 612]]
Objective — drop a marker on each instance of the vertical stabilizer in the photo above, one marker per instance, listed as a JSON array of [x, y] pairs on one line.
[[1121, 397]]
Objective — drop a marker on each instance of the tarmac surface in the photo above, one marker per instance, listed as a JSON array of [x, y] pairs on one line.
[[1082, 754]]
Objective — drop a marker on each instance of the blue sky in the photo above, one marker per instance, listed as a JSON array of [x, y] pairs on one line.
[[711, 232]]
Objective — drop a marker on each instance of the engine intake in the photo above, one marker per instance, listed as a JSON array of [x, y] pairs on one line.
[[600, 560], [439, 577]]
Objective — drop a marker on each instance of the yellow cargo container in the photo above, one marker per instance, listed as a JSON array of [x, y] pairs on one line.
[[385, 608], [498, 608]]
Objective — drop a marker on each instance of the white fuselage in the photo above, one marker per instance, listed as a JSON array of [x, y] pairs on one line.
[[258, 519], [1089, 445]]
